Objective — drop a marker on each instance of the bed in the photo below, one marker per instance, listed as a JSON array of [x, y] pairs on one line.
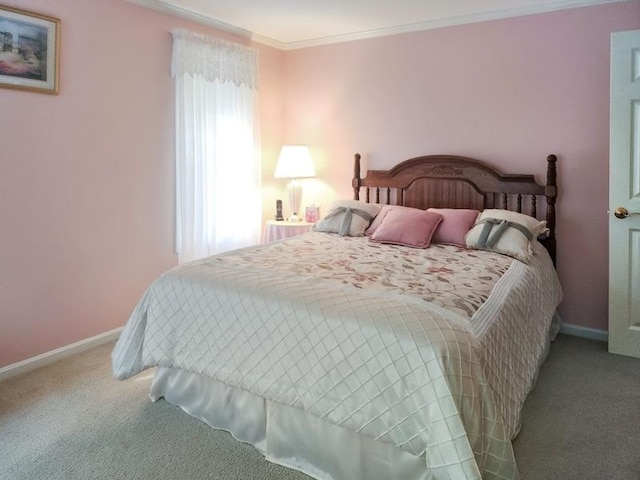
[[358, 357]]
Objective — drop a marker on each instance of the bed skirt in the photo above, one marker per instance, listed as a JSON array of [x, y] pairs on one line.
[[289, 436], [285, 435]]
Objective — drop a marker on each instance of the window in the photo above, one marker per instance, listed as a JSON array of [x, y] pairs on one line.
[[217, 146]]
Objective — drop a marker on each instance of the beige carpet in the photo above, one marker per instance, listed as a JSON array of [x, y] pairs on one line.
[[72, 421]]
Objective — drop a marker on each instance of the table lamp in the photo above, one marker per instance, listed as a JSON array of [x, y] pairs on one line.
[[294, 162]]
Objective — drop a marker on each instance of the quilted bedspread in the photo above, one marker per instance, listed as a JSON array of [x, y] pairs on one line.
[[432, 351]]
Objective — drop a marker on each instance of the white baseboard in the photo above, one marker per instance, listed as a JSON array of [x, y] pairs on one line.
[[585, 332], [59, 353]]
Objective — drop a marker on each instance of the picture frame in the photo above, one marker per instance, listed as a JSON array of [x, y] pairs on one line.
[[312, 214], [29, 51]]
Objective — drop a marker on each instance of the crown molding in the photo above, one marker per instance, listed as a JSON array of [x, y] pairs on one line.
[[166, 6], [446, 22]]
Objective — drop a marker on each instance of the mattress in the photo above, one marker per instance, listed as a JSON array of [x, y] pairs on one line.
[[430, 352]]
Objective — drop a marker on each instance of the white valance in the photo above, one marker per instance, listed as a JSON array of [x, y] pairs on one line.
[[214, 59]]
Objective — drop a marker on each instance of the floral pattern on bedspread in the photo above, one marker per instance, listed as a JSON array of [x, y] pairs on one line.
[[454, 278], [386, 365]]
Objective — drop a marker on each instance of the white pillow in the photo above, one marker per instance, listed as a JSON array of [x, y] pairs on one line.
[[513, 238], [337, 219]]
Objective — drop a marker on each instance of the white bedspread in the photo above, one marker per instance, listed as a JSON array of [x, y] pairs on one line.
[[387, 365]]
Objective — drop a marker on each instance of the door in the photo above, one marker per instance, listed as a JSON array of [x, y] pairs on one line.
[[624, 195]]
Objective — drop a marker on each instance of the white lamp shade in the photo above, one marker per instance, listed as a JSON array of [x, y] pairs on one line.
[[294, 162]]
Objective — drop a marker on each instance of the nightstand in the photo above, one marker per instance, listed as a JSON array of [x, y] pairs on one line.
[[277, 230]]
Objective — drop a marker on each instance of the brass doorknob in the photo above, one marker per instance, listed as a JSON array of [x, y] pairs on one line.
[[621, 212]]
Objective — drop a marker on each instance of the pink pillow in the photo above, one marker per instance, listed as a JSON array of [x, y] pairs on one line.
[[456, 222], [410, 227], [382, 213]]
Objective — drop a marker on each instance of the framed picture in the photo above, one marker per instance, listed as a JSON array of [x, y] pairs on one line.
[[312, 214], [29, 51]]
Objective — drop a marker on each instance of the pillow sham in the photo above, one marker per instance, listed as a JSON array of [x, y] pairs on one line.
[[506, 232], [348, 218], [456, 222], [410, 227], [383, 212]]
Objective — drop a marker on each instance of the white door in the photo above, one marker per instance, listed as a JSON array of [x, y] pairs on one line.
[[624, 195]]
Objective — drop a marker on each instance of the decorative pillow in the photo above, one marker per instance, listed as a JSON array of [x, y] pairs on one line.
[[456, 222], [410, 227], [383, 212], [348, 217], [506, 232]]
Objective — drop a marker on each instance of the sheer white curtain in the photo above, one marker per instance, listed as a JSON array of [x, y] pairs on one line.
[[217, 145]]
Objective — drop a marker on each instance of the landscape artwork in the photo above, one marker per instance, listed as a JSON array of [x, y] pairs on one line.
[[29, 55]]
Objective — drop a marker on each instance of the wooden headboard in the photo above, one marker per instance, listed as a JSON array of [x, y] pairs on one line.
[[450, 181]]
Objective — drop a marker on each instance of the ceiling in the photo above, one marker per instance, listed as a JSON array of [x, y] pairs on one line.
[[290, 24]]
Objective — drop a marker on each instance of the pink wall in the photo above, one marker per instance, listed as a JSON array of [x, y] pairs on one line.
[[86, 177], [509, 92]]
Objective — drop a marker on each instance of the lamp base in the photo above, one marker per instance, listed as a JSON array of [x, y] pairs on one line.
[[295, 198]]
